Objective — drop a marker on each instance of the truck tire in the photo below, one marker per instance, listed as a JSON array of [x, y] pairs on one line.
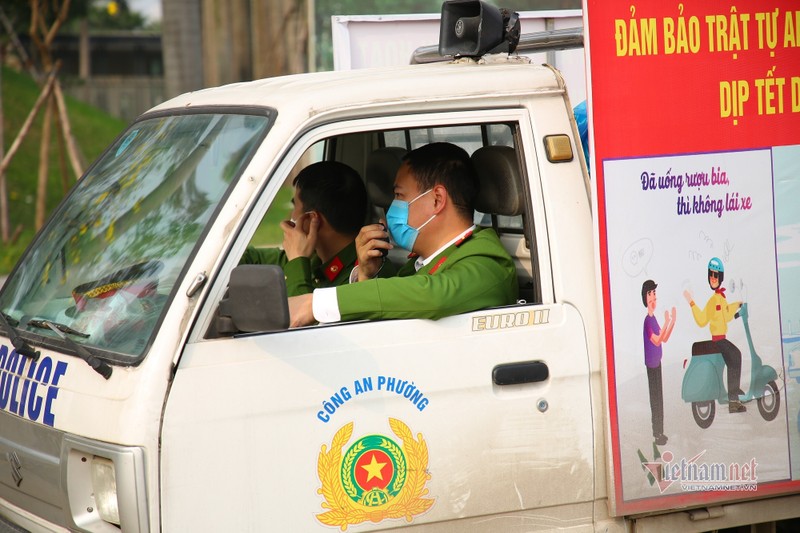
[[703, 413], [770, 402]]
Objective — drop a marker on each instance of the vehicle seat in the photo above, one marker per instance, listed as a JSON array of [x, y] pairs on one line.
[[381, 169], [705, 348], [501, 186], [382, 165], [502, 195]]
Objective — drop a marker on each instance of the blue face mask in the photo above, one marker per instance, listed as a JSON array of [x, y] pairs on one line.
[[397, 221]]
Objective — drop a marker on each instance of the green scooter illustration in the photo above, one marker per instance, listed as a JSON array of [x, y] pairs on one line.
[[703, 383]]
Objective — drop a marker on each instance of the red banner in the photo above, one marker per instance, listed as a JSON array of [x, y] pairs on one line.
[[695, 128], [694, 76]]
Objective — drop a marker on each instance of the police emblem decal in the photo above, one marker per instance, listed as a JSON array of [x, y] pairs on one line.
[[375, 479], [373, 471]]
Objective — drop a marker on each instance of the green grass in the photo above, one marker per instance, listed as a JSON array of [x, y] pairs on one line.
[[269, 232], [92, 130]]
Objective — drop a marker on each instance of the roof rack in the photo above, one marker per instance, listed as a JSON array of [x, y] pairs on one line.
[[543, 41]]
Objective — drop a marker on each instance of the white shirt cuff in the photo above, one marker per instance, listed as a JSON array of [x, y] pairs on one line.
[[325, 306]]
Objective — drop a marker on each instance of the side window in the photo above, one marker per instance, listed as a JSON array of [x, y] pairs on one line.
[[268, 233], [310, 228], [469, 137], [375, 156]]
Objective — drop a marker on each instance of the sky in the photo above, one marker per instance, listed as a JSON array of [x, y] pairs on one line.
[[151, 9]]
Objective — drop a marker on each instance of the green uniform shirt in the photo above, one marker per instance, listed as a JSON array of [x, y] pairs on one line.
[[471, 274], [304, 274]]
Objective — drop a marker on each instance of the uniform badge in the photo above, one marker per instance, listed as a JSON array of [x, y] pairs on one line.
[[374, 478], [333, 268]]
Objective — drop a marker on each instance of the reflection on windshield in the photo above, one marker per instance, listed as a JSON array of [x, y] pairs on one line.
[[107, 262]]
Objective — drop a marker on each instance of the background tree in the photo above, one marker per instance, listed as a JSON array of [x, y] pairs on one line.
[[46, 19], [114, 15]]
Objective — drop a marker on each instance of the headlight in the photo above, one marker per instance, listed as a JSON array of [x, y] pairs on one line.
[[104, 483], [105, 486]]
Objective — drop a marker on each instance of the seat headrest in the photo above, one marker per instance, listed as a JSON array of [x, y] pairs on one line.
[[501, 184], [382, 165]]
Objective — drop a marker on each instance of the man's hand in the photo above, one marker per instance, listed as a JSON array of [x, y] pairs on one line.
[[296, 241], [669, 317], [301, 312], [372, 242]]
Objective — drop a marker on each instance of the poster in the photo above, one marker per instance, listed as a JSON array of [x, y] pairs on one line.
[[695, 159]]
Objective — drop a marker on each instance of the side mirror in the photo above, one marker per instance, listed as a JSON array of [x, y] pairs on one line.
[[255, 301]]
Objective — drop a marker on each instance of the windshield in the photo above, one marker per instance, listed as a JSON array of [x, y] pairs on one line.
[[108, 260]]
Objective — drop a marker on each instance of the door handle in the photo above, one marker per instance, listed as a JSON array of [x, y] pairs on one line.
[[523, 372]]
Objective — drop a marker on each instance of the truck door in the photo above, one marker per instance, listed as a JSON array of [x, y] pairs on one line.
[[483, 417]]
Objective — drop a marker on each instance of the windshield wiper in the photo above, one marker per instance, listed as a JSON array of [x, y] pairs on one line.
[[45, 324], [22, 347], [98, 365]]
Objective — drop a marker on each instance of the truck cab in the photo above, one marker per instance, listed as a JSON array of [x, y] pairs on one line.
[[197, 428]]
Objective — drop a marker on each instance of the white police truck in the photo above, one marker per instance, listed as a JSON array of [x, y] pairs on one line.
[[148, 383]]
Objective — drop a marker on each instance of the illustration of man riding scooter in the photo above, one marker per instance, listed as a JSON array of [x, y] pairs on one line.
[[702, 383]]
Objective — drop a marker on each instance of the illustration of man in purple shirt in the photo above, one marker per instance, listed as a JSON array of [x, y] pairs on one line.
[[654, 337]]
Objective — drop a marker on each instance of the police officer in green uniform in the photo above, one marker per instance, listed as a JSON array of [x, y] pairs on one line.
[[454, 267], [330, 206]]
